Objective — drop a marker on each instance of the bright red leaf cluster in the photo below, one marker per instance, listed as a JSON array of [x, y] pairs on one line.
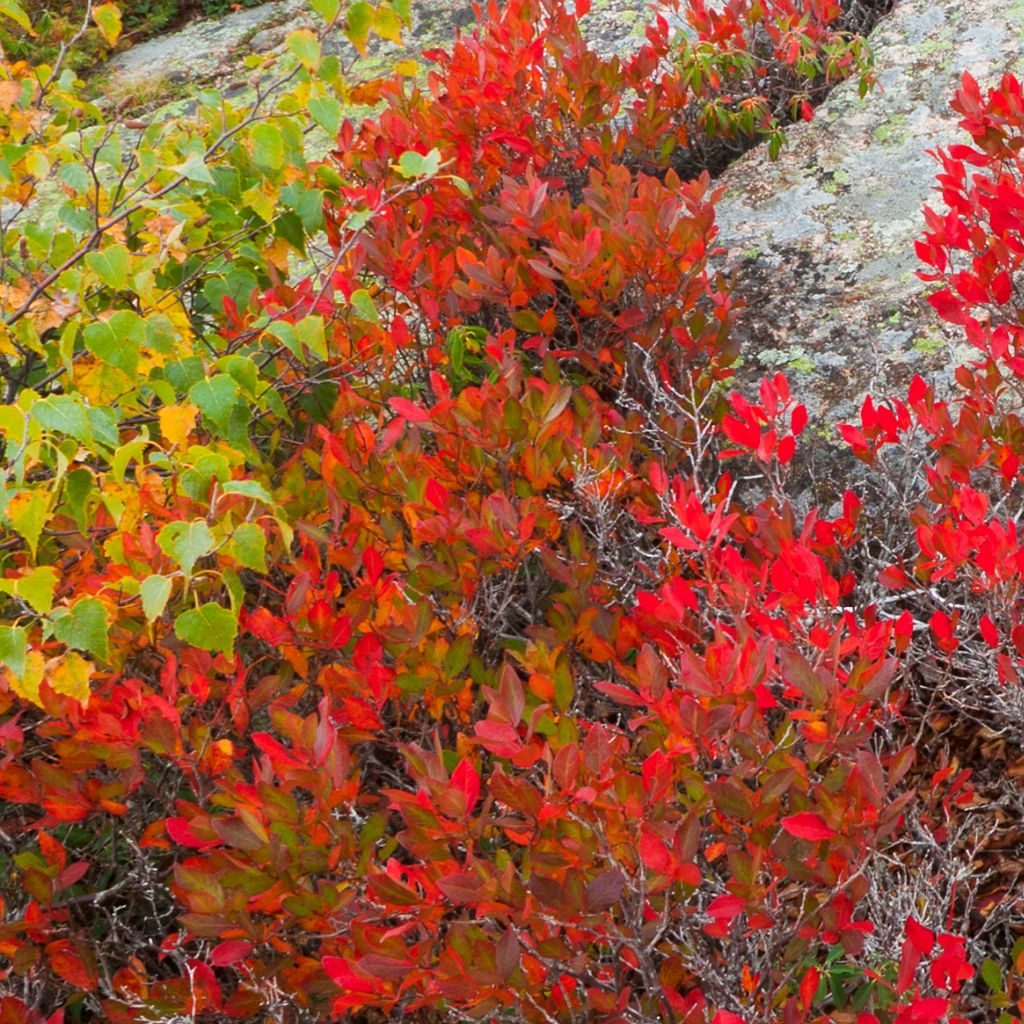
[[547, 717]]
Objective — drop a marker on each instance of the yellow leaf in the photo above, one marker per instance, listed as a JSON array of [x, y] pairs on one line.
[[177, 422], [28, 685], [70, 675], [28, 513], [7, 346], [108, 21], [101, 383], [407, 68], [276, 252]]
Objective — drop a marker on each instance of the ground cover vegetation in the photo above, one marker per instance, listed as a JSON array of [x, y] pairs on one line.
[[52, 25], [405, 616]]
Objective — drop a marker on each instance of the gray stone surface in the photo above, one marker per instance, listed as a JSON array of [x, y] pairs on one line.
[[201, 49], [822, 241]]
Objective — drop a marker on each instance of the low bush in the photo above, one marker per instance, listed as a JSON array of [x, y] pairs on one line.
[[408, 618]]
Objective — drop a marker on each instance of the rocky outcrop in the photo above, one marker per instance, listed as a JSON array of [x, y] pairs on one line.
[[822, 241]]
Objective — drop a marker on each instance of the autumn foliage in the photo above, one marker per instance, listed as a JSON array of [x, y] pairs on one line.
[[436, 635]]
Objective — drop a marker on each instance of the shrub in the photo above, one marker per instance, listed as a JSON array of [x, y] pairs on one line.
[[393, 640]]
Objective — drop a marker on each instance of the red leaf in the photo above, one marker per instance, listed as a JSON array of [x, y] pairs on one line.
[[604, 891], [181, 832], [922, 939], [230, 952], [498, 737], [807, 825], [409, 410]]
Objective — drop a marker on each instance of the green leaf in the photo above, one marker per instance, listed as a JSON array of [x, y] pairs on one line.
[[78, 485], [305, 45], [112, 264], [216, 398], [125, 455], [327, 9], [249, 546], [65, 414], [268, 147], [208, 627], [326, 111], [362, 303], [992, 975], [13, 10], [186, 543], [13, 647], [116, 340], [35, 588], [250, 488], [358, 23], [235, 588], [410, 164], [194, 169], [310, 332], [154, 590], [417, 165], [84, 627]]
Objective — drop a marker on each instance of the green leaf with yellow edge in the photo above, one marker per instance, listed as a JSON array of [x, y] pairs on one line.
[[125, 455], [36, 588], [27, 513], [358, 22], [27, 685], [249, 546], [13, 648], [186, 543], [84, 627], [154, 591], [108, 21], [13, 10], [387, 24], [235, 588], [310, 332], [70, 677], [306, 47], [327, 9], [112, 264], [208, 627]]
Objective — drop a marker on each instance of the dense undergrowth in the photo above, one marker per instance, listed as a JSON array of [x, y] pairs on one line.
[[70, 25], [434, 636]]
